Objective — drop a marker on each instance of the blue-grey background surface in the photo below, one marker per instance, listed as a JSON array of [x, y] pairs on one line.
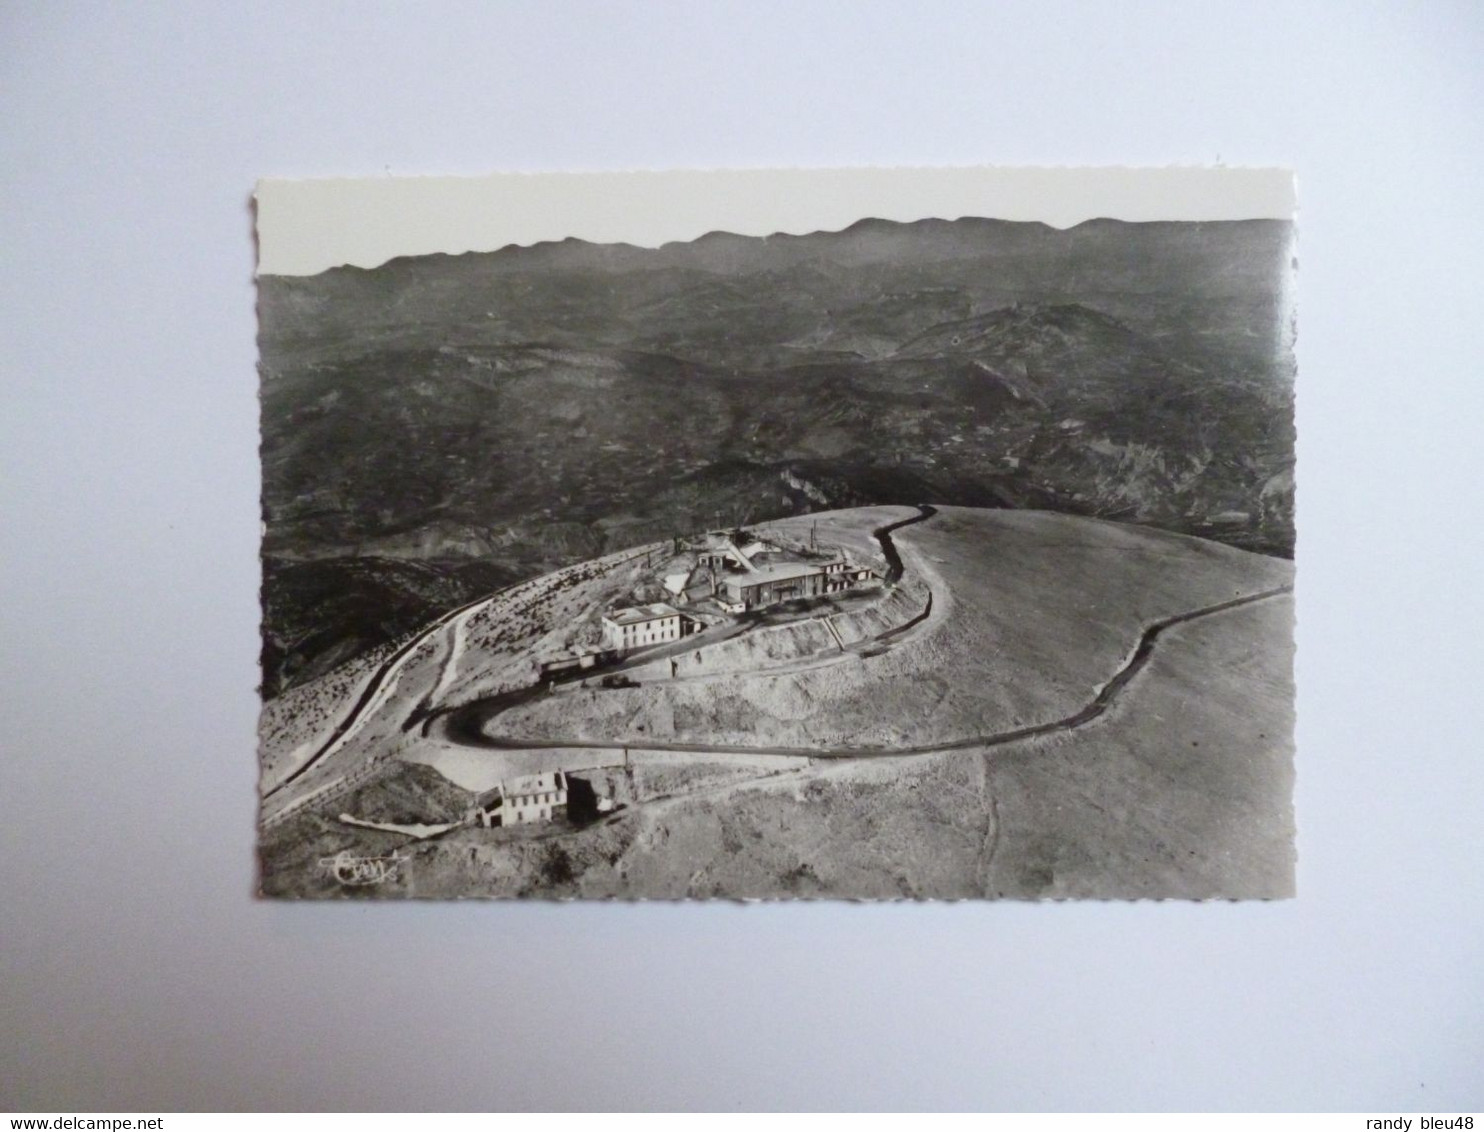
[[136, 971]]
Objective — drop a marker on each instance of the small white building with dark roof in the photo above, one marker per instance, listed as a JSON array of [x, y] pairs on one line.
[[529, 798]]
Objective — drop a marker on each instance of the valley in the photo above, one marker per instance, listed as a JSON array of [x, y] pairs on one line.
[[537, 407]]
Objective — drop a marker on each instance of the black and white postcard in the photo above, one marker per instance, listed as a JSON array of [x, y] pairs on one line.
[[871, 534]]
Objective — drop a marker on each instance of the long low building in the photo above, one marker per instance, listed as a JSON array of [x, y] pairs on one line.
[[789, 581]]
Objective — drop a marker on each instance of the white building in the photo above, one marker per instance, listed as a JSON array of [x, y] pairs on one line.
[[530, 798], [789, 581], [640, 626]]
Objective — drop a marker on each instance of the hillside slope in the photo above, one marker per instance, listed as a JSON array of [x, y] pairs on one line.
[[1032, 610], [1180, 788]]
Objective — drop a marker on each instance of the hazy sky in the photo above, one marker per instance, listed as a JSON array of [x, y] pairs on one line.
[[307, 226]]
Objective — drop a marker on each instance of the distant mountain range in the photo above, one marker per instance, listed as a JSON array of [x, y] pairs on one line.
[[445, 423]]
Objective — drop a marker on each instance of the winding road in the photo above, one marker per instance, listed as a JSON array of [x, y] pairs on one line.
[[466, 724], [468, 730], [894, 567], [383, 680], [375, 687]]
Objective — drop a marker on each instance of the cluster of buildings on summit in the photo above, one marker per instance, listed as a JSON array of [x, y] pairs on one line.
[[708, 581], [723, 573]]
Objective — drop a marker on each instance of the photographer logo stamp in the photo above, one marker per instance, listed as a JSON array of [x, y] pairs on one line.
[[349, 869]]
